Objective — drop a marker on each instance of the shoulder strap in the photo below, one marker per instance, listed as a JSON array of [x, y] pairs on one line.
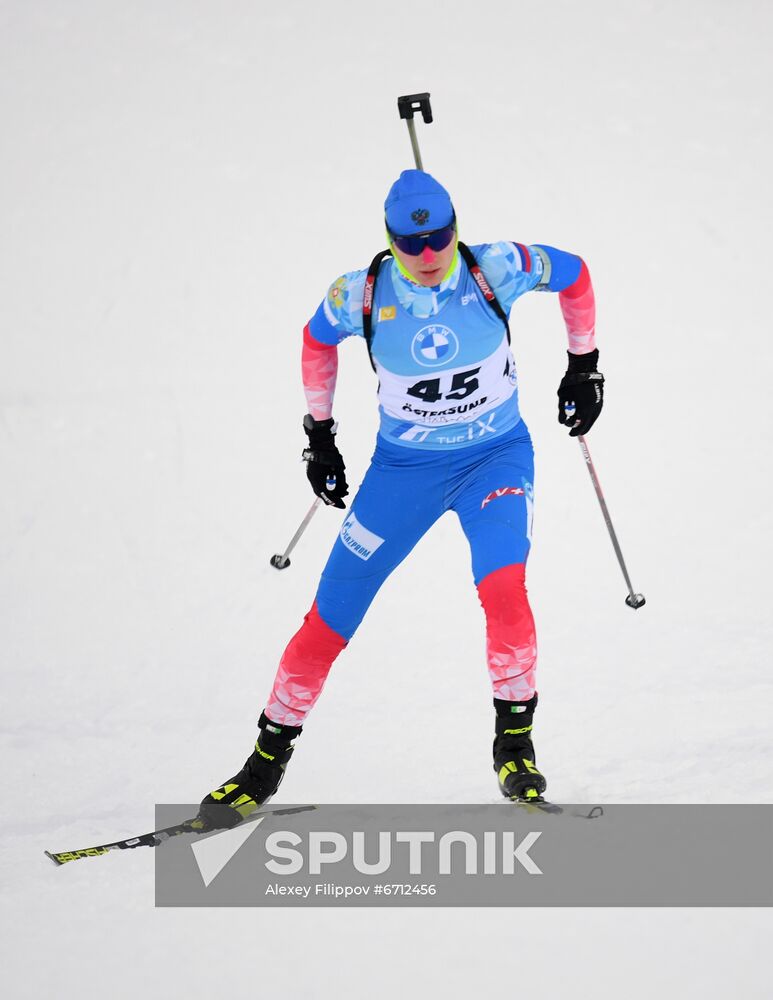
[[483, 285], [368, 298]]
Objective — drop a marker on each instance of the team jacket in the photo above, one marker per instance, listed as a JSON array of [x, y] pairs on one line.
[[447, 378]]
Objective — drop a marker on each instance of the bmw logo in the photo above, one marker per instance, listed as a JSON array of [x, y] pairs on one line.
[[434, 345]]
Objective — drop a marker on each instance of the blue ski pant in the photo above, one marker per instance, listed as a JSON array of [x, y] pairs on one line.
[[405, 490]]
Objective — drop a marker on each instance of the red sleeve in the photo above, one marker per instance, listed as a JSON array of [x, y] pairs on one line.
[[319, 371], [579, 308]]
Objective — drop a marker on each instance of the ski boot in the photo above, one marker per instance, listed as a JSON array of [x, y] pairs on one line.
[[514, 760], [258, 780]]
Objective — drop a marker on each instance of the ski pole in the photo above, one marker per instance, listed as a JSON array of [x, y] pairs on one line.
[[282, 561], [407, 105], [633, 600]]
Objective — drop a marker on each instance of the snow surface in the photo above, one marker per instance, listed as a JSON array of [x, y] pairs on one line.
[[180, 182]]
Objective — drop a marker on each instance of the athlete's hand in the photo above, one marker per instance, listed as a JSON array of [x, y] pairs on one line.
[[324, 464], [581, 393]]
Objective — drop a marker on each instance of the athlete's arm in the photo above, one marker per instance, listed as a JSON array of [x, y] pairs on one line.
[[514, 268], [581, 392], [319, 371], [338, 316], [568, 274]]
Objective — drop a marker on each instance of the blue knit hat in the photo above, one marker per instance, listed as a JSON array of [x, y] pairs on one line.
[[416, 203]]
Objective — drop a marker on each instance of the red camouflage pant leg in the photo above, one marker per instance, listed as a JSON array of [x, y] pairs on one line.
[[511, 642], [303, 670]]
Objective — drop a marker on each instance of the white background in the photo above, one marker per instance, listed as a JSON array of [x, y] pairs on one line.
[[180, 182]]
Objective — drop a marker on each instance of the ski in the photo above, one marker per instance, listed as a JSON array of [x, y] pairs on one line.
[[535, 804], [154, 839]]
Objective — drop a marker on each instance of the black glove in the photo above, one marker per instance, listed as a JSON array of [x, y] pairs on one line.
[[324, 464], [581, 393]]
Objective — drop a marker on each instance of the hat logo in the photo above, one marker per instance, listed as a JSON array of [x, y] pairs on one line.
[[420, 216]]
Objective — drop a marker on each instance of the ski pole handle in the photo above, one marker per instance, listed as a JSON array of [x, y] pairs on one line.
[[407, 105], [633, 600], [283, 561]]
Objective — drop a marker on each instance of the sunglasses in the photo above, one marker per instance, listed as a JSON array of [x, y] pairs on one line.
[[437, 240]]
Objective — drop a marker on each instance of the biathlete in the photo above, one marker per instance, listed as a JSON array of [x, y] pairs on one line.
[[434, 314]]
